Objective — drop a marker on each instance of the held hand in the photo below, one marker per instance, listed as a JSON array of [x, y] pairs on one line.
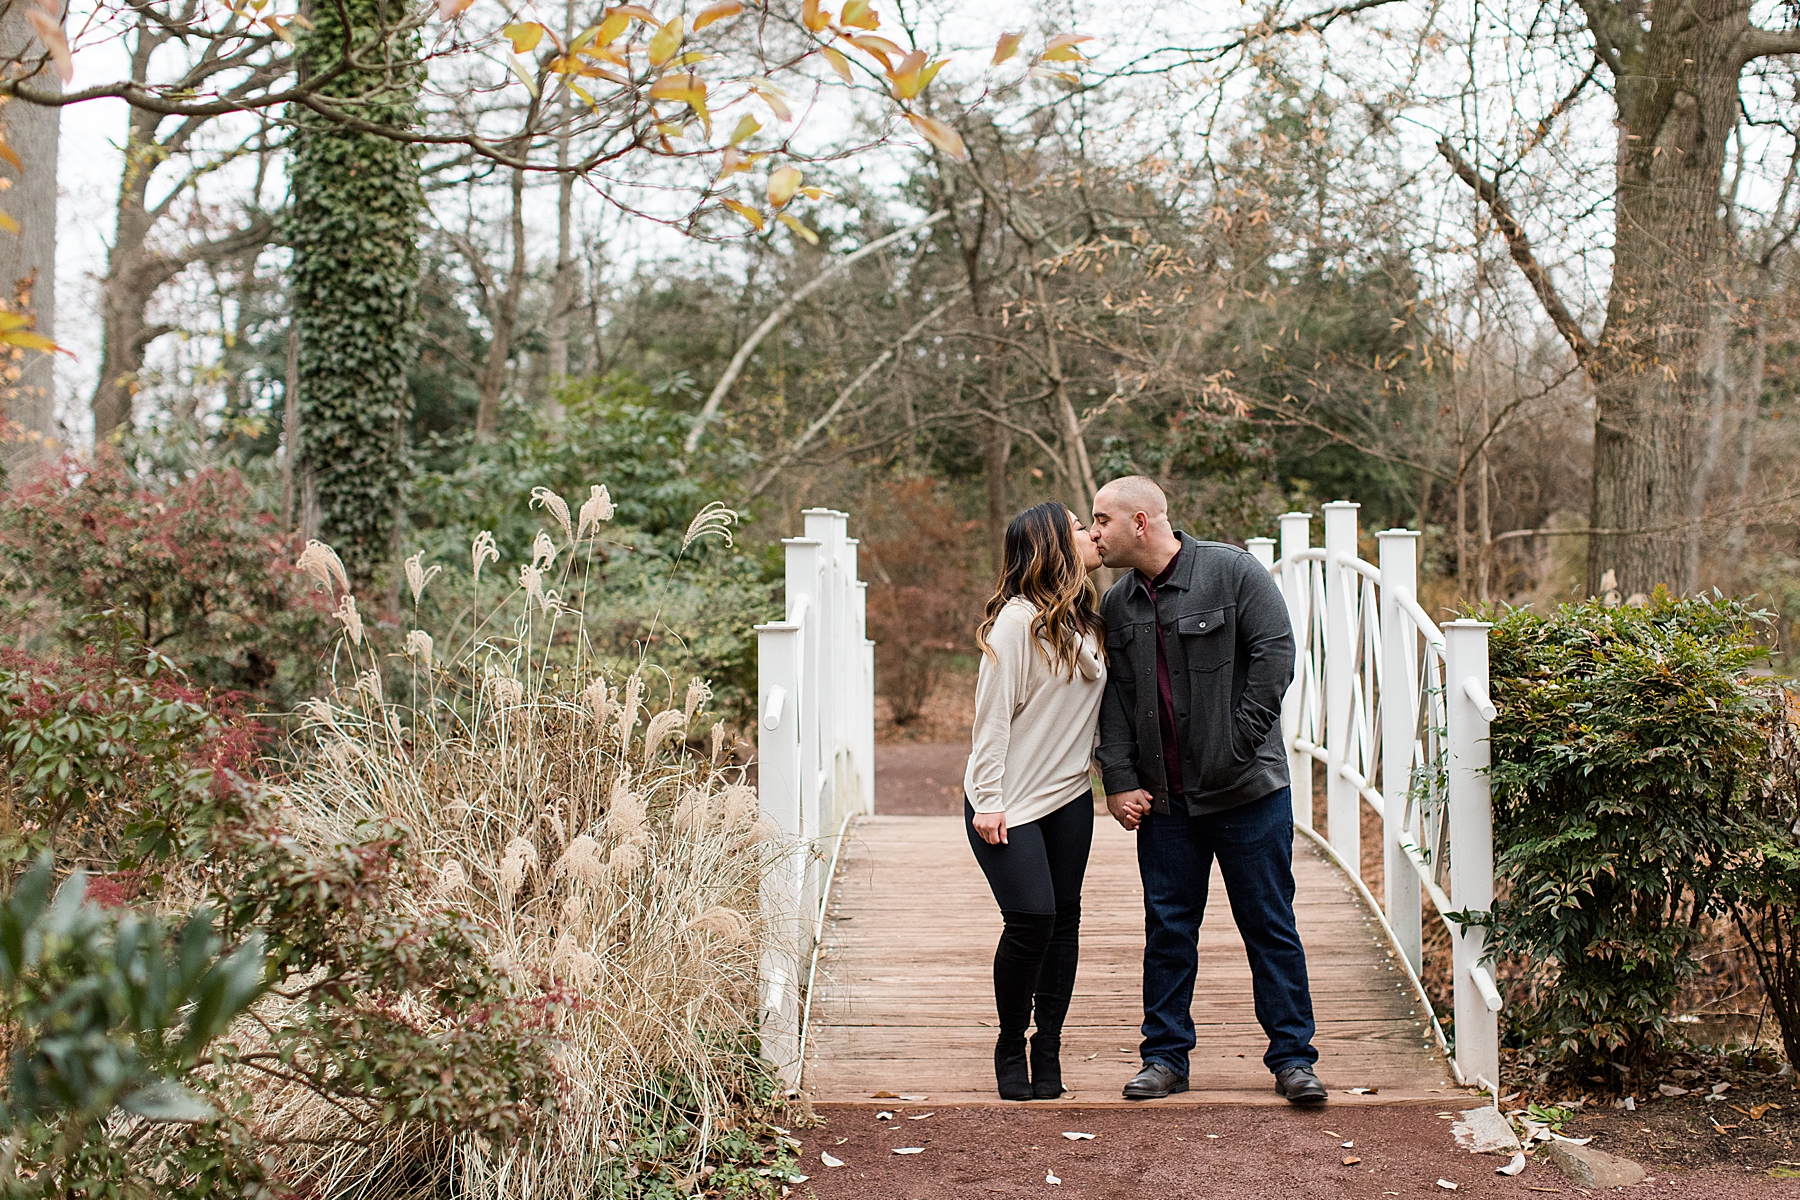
[[1128, 808], [992, 827]]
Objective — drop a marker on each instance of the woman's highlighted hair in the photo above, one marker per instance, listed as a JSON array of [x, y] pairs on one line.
[[1042, 566]]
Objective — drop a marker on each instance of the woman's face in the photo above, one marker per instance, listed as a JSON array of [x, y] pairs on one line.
[[1085, 550]]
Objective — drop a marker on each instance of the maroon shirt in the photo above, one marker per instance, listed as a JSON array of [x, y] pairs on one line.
[[1165, 690]]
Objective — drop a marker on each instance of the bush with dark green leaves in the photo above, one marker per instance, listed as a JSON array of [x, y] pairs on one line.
[[112, 1018], [1763, 884], [1625, 741]]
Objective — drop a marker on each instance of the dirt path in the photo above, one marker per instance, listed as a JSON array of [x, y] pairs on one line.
[[920, 779], [1156, 1152]]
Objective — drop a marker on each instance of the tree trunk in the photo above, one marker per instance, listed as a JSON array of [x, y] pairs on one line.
[[1677, 94], [562, 290], [1715, 371], [996, 448], [1751, 387], [505, 318], [28, 261]]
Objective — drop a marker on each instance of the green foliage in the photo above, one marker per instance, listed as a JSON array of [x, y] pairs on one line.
[[188, 563], [695, 620], [111, 1016], [353, 223], [1763, 884], [107, 756], [1625, 740]]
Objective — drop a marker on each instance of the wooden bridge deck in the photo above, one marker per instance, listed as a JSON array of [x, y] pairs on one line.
[[903, 1000]]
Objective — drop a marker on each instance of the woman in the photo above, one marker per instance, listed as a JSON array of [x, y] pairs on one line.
[[1027, 800]]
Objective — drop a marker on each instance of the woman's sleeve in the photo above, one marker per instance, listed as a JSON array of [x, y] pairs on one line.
[[998, 689]]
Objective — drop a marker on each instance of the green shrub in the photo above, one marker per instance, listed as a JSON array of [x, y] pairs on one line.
[[1625, 740], [1763, 885], [202, 577]]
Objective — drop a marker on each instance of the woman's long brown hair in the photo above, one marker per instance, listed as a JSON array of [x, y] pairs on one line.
[[1043, 567]]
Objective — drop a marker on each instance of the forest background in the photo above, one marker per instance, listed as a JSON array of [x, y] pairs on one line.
[[1229, 255]]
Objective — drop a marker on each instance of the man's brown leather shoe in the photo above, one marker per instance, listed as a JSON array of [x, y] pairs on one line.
[[1300, 1085]]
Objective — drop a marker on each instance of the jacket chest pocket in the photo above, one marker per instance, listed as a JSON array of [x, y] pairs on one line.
[[1123, 643], [1206, 638]]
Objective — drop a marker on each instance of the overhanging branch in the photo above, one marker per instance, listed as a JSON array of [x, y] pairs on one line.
[[1519, 246]]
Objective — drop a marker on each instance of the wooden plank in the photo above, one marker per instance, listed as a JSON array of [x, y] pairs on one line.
[[903, 1000]]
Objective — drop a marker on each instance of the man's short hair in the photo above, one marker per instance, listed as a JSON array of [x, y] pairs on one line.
[[1141, 494]]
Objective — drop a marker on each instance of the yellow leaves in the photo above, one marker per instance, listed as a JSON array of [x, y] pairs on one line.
[[794, 224], [1061, 48], [49, 32], [812, 17], [940, 135], [1006, 47], [913, 76], [449, 10], [667, 41], [6, 152], [774, 97], [7, 223], [717, 12], [736, 161], [745, 211], [746, 128], [636, 10], [838, 62], [689, 89], [860, 14], [524, 36], [15, 330], [612, 27], [783, 183], [879, 47]]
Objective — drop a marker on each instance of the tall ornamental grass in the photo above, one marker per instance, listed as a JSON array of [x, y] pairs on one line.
[[595, 831]]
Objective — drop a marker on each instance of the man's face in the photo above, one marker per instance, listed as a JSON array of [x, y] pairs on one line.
[[1114, 530]]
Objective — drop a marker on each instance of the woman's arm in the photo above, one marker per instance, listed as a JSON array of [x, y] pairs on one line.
[[998, 690]]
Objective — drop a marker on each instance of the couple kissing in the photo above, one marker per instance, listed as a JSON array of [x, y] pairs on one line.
[[1173, 683]]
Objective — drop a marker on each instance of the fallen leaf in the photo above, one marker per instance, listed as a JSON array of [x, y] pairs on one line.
[[1515, 1166], [883, 1096], [921, 1116], [1361, 1091], [1719, 1089], [1333, 1133], [1670, 1090], [1049, 1178], [1446, 1185], [884, 1116], [1079, 1137], [1349, 1145], [830, 1159], [1350, 1160], [1213, 1135], [914, 1099], [909, 1149]]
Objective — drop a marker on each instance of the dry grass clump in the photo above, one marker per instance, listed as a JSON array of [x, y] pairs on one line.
[[610, 868]]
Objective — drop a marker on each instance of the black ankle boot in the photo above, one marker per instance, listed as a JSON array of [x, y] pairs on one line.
[[1056, 984], [1010, 1072], [1017, 961], [1046, 1065]]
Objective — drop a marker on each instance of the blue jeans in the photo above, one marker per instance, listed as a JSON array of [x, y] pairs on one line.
[[1254, 844]]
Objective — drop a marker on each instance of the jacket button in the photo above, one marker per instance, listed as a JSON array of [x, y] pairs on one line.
[[1203, 624]]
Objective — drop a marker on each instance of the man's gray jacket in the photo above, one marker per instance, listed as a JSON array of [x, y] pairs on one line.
[[1230, 650]]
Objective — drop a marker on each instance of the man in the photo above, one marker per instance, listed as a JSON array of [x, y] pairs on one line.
[[1199, 652]]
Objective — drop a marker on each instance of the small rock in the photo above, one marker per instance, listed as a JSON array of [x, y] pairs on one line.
[[1589, 1167], [1484, 1131]]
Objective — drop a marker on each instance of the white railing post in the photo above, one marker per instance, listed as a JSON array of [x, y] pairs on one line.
[[1468, 711], [1262, 550], [1399, 715], [1343, 816], [1295, 580], [779, 668], [808, 606]]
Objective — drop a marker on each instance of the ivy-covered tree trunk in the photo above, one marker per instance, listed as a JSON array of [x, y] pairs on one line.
[[354, 228]]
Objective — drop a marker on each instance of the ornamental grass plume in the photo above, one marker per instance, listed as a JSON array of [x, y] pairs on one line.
[[614, 877]]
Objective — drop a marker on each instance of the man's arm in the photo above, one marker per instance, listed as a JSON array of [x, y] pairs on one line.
[[1117, 751], [1266, 637]]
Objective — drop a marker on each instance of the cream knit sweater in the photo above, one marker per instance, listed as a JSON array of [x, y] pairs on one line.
[[1034, 726]]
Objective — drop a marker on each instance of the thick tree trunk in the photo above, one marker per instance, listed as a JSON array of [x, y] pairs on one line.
[[29, 432], [1715, 370], [1677, 93], [1751, 389]]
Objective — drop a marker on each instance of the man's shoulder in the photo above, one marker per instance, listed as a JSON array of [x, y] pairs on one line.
[[1119, 594]]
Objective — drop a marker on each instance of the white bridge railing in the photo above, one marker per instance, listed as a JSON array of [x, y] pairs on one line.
[[816, 761], [1397, 711]]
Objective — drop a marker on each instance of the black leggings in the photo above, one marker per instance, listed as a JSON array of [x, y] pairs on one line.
[[1040, 868], [1036, 876]]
